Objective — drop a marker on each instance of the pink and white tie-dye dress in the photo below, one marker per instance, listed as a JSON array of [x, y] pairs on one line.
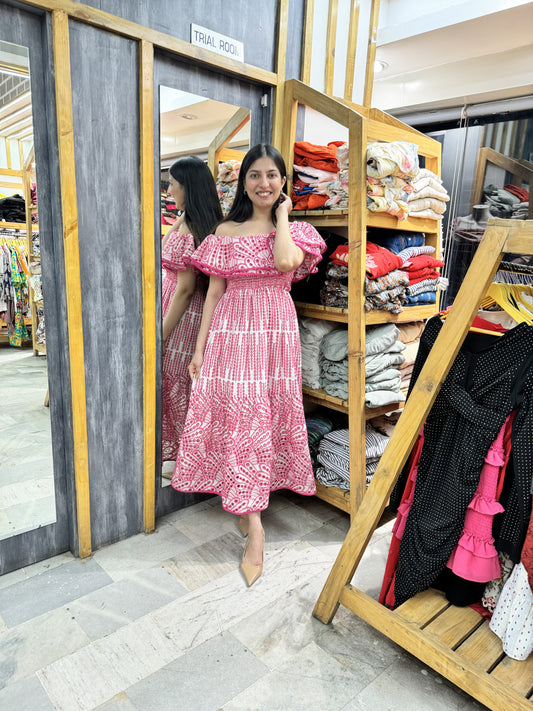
[[180, 344], [245, 433]]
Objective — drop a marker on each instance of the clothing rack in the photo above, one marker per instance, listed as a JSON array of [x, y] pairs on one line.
[[455, 642]]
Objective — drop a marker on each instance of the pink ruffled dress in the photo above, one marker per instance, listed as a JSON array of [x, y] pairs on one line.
[[180, 344], [245, 433], [475, 557]]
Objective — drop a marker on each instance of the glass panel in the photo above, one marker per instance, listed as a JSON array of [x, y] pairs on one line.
[[27, 496], [218, 134]]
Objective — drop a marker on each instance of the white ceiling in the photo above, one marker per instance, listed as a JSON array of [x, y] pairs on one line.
[[478, 59]]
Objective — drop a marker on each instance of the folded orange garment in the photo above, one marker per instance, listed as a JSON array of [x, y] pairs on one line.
[[323, 157], [311, 201]]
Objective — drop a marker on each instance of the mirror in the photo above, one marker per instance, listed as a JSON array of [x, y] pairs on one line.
[[27, 496], [218, 134]]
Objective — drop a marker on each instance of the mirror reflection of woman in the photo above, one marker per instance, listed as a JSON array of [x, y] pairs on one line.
[[245, 433], [192, 187]]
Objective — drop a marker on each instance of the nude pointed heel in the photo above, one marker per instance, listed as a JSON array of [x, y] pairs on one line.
[[243, 526]]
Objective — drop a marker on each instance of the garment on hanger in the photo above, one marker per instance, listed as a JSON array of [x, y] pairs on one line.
[[488, 379]]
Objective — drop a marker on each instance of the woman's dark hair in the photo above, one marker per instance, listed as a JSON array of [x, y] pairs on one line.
[[202, 206], [242, 207]]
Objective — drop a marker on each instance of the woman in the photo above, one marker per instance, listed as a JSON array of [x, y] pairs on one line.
[[193, 189], [245, 432]]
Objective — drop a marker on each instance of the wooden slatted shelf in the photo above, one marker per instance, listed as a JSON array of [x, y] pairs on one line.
[[340, 218], [321, 397], [372, 318]]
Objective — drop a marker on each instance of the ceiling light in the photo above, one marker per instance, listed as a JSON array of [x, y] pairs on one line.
[[189, 117], [379, 66]]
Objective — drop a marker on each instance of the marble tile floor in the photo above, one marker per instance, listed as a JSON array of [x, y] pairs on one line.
[[165, 622]]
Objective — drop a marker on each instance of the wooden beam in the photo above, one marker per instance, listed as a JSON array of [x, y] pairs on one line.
[[475, 284], [67, 174], [234, 124], [281, 51], [371, 53], [146, 111], [352, 48], [307, 42], [133, 30], [331, 39]]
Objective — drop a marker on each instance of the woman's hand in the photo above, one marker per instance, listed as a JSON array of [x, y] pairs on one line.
[[195, 365], [284, 207]]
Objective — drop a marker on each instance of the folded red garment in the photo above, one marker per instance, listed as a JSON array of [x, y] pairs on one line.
[[413, 264], [311, 201], [380, 261], [427, 273], [323, 157], [520, 193], [340, 255]]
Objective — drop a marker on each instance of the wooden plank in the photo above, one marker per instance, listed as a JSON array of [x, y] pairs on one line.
[[454, 625], [321, 397], [11, 173], [307, 42], [331, 38], [492, 692], [146, 95], [483, 648], [356, 325], [320, 102], [351, 50], [480, 274], [327, 313], [279, 91], [334, 496], [239, 119], [371, 53], [65, 134], [409, 313], [423, 608], [516, 674], [133, 30], [397, 131]]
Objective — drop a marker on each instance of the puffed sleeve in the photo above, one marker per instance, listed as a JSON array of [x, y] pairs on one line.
[[307, 238], [177, 251]]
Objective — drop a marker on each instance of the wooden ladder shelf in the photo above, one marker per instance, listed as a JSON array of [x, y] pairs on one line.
[[455, 642]]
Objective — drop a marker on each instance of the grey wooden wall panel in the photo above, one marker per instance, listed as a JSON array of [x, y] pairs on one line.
[[293, 59], [252, 23], [33, 30], [178, 74], [106, 145]]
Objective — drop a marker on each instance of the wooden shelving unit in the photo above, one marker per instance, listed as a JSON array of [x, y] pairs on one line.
[[364, 126]]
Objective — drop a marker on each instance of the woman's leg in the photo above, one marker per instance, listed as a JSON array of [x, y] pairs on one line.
[[256, 536]]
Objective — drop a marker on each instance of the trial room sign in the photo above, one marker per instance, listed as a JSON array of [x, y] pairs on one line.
[[202, 37]]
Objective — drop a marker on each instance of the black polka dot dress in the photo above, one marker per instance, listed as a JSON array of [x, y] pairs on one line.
[[490, 377]]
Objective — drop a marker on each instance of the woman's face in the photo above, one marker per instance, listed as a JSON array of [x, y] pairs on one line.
[[263, 182], [177, 192]]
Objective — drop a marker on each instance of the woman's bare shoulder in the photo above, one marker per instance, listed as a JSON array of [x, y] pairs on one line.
[[228, 228]]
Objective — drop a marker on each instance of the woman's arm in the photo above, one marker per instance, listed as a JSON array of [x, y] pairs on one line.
[[287, 255], [179, 222], [217, 287], [180, 301]]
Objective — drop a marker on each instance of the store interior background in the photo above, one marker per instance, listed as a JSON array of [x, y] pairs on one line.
[[421, 52]]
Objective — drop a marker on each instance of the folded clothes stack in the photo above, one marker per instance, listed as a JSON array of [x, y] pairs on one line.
[[410, 336], [312, 330], [315, 167], [391, 168], [228, 175], [334, 456], [385, 284], [509, 202], [428, 197], [337, 190], [383, 356], [333, 360]]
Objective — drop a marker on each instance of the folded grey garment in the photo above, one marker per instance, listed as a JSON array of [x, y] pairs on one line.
[[372, 466], [329, 478], [313, 330], [334, 345], [379, 338], [339, 462], [334, 369], [339, 437], [387, 374], [382, 361], [378, 398], [393, 384], [336, 389], [311, 379]]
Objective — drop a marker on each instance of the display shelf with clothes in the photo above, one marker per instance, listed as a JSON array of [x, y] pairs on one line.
[[345, 223], [15, 312], [463, 499]]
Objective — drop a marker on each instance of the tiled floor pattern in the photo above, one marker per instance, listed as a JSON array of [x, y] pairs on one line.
[[27, 498], [164, 622]]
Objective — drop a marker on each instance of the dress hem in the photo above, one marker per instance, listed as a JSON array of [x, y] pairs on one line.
[[240, 513]]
